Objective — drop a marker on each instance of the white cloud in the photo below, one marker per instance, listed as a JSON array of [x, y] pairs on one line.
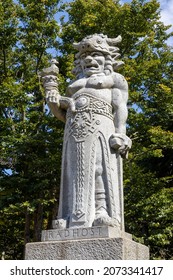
[[167, 11], [167, 16]]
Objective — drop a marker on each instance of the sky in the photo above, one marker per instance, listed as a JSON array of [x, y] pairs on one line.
[[167, 11]]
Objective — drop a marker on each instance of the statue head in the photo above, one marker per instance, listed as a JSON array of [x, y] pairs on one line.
[[102, 49]]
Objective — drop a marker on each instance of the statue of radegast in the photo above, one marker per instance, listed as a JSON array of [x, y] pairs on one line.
[[95, 141]]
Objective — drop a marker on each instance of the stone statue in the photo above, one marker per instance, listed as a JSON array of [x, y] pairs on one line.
[[95, 141], [90, 221]]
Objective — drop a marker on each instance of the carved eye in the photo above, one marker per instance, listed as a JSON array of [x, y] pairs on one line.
[[83, 56]]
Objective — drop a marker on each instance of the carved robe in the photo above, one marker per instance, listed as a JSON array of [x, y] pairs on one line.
[[86, 151]]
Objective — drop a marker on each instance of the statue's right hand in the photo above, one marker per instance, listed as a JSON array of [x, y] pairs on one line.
[[52, 96]]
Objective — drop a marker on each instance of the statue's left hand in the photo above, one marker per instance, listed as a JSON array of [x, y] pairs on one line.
[[121, 143]]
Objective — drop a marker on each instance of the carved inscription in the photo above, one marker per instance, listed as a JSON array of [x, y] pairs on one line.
[[74, 233]]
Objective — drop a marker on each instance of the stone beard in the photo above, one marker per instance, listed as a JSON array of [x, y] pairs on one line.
[[94, 139]]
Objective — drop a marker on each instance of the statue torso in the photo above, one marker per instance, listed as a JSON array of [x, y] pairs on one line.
[[99, 86]]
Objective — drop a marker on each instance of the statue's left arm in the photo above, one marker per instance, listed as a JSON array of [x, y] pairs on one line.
[[119, 140]]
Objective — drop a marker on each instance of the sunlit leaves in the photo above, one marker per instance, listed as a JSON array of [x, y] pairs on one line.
[[31, 140]]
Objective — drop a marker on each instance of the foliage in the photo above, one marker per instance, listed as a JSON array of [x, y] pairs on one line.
[[31, 140]]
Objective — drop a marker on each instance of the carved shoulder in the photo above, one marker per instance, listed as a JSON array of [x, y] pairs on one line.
[[120, 82]]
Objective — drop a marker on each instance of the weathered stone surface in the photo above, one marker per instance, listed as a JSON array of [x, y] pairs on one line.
[[82, 233], [95, 140], [90, 249], [90, 221]]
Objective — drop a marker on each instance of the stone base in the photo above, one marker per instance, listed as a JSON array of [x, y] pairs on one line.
[[119, 246]]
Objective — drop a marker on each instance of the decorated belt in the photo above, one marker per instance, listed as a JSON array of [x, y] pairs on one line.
[[85, 102]]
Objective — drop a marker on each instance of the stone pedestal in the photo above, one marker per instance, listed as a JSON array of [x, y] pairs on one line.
[[97, 243]]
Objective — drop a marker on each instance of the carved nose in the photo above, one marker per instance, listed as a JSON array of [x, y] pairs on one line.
[[88, 59]]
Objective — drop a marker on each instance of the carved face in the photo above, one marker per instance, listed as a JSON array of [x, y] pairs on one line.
[[92, 63]]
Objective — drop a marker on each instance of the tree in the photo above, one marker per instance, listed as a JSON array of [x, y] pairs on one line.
[[30, 138]]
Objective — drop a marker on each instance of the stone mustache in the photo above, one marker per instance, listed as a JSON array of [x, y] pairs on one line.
[[95, 140]]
